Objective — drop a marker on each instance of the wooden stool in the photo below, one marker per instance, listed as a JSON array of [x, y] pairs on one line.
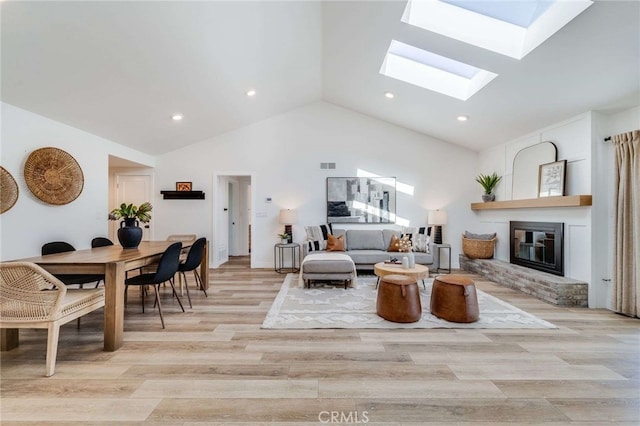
[[399, 299], [454, 298]]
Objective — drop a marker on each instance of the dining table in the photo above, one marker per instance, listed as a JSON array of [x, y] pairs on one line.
[[114, 262]]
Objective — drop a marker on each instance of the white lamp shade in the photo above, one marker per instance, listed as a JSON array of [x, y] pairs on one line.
[[288, 216], [437, 217]]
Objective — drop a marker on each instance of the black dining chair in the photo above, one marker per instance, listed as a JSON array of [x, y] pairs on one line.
[[167, 268], [101, 242], [70, 279], [194, 258]]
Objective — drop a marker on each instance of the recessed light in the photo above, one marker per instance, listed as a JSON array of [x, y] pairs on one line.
[[463, 117], [251, 93], [389, 95], [177, 117]]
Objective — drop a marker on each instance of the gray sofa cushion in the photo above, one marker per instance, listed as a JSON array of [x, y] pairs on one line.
[[423, 258], [370, 257], [365, 239]]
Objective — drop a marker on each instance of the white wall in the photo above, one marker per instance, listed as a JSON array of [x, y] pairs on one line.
[[31, 222], [284, 155], [589, 171]]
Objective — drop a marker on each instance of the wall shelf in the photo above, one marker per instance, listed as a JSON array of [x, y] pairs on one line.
[[182, 195], [566, 201]]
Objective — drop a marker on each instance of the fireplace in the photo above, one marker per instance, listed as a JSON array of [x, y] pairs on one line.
[[538, 245]]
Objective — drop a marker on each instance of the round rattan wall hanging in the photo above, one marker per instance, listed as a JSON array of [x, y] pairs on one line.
[[53, 176], [8, 190]]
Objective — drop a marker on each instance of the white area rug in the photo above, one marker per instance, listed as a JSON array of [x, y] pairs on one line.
[[331, 306]]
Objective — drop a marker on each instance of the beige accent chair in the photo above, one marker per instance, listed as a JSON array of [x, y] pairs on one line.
[[31, 297]]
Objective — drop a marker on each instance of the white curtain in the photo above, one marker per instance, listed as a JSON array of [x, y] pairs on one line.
[[626, 258]]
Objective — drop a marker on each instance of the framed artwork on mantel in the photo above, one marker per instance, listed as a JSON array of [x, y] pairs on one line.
[[361, 200], [551, 179]]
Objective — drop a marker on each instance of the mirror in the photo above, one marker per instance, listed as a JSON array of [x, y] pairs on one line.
[[361, 200], [526, 165]]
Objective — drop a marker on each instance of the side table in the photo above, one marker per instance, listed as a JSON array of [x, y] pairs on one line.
[[279, 257], [439, 247]]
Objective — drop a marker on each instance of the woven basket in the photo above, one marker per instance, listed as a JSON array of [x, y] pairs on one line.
[[53, 176], [478, 249], [8, 190]]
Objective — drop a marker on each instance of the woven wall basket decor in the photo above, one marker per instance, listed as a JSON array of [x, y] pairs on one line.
[[8, 190], [53, 176]]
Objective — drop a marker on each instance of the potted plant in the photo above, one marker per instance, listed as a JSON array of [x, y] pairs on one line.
[[284, 238], [488, 183], [130, 233]]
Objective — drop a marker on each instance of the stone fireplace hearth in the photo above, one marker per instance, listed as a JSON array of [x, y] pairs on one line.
[[554, 289]]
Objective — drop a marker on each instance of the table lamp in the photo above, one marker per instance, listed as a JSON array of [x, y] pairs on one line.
[[288, 217], [437, 218]]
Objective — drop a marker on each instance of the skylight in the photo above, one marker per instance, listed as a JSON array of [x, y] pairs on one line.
[[511, 28], [521, 13], [434, 72]]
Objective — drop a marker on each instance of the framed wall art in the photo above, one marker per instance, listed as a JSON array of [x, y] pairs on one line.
[[361, 200], [551, 179], [183, 186]]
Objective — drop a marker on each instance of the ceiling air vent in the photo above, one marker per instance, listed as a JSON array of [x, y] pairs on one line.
[[327, 165]]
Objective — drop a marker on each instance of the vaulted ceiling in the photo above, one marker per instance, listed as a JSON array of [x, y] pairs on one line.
[[119, 70]]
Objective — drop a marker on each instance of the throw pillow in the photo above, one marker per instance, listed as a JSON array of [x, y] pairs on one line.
[[317, 237], [419, 238], [421, 243], [316, 246], [335, 243], [394, 245], [472, 236], [405, 243], [318, 233]]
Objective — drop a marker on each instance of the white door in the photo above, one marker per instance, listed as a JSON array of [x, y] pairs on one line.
[[221, 254], [134, 189]]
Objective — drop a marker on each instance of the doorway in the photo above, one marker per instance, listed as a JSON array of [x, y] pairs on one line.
[[233, 216], [132, 187]]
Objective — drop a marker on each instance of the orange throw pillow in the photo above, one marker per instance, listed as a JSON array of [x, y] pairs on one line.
[[394, 245], [335, 243]]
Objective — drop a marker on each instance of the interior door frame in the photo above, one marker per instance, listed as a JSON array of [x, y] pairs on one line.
[[218, 205], [116, 180]]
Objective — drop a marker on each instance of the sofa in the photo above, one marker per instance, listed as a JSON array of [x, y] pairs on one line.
[[366, 247]]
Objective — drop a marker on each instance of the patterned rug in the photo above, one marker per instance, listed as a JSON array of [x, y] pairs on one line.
[[331, 306]]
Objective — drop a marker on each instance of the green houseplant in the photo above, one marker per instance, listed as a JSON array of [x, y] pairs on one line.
[[488, 183], [130, 234]]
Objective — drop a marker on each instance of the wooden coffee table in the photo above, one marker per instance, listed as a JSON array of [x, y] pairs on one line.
[[418, 272]]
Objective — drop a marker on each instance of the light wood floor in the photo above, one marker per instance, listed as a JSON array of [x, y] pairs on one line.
[[213, 365]]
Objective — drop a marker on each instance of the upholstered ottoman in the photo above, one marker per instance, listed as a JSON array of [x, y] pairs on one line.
[[454, 298], [399, 299], [328, 267]]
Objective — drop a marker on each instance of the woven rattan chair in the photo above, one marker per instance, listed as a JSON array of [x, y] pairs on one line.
[[30, 297]]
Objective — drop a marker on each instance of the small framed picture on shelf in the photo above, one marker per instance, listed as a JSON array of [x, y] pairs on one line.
[[551, 178], [183, 186]]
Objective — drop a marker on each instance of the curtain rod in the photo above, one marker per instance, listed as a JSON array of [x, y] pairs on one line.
[[607, 139]]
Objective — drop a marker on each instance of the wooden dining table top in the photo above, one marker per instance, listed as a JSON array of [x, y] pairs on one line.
[[106, 254]]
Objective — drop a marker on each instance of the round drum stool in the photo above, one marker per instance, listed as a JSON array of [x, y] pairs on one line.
[[454, 298], [399, 299]]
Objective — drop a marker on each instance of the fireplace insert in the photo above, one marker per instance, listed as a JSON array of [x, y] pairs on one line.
[[538, 245]]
